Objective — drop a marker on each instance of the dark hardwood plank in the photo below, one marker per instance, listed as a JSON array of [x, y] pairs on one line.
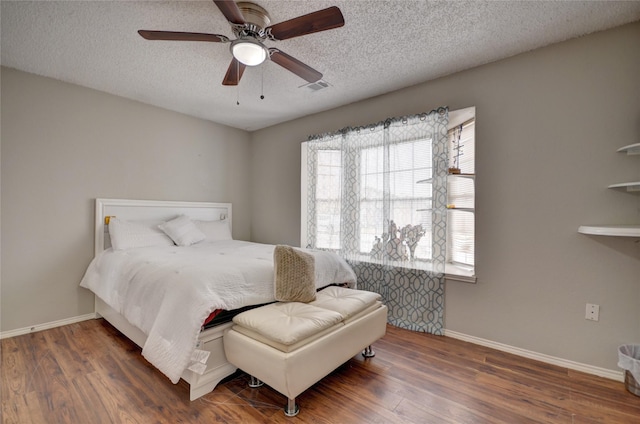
[[13, 367], [90, 373], [72, 361]]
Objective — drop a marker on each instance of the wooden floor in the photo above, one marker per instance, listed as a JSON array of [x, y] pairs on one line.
[[89, 373]]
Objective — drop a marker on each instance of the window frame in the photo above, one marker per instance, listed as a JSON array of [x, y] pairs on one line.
[[453, 271], [457, 271]]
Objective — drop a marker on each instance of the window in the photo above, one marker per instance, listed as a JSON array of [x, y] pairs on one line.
[[408, 201], [386, 177], [328, 199], [461, 196], [363, 184]]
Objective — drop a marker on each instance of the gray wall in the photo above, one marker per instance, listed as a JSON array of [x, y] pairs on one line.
[[63, 146], [548, 126]]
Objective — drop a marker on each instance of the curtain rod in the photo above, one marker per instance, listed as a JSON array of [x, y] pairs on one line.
[[464, 124]]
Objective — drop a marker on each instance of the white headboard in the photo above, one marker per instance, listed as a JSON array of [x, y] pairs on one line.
[[153, 210]]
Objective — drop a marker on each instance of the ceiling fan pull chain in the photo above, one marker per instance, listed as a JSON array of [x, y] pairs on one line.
[[238, 85], [262, 84]]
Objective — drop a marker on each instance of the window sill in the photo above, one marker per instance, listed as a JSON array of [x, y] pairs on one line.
[[420, 265], [460, 273], [452, 272]]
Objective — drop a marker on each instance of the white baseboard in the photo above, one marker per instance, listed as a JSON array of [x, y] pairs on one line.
[[46, 326], [589, 369]]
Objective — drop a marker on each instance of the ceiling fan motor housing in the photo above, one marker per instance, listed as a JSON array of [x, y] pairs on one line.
[[256, 18]]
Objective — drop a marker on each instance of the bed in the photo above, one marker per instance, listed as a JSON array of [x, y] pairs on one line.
[[159, 296]]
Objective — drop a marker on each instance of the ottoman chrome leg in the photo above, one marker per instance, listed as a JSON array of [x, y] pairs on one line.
[[291, 410], [368, 352], [254, 382]]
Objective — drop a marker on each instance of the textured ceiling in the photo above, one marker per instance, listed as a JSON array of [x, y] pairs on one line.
[[384, 46]]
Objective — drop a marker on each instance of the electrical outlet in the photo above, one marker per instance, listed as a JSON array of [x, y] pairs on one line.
[[592, 312]]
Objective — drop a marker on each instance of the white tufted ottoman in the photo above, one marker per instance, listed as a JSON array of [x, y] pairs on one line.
[[291, 346]]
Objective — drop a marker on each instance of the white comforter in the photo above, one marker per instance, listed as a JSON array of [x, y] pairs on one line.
[[168, 292]]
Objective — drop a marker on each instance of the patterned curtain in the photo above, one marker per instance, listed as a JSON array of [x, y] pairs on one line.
[[377, 195]]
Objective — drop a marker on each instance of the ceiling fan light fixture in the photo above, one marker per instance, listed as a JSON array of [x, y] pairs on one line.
[[249, 51]]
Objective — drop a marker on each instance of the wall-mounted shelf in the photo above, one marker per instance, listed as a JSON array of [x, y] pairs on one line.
[[631, 149], [611, 230], [449, 209], [618, 230], [629, 187]]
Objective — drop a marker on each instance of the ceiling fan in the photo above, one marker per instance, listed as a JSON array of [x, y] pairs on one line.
[[250, 25]]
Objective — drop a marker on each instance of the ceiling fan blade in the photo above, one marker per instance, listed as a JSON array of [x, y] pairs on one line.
[[321, 20], [230, 10], [294, 65], [182, 36], [234, 73]]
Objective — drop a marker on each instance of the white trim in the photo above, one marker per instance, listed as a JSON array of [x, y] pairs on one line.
[[461, 278], [589, 369], [459, 273], [46, 326]]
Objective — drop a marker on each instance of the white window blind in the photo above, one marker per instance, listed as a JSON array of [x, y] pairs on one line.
[[461, 195], [408, 162], [328, 201]]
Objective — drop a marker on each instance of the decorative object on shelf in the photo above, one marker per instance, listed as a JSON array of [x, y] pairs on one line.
[[455, 169], [393, 244]]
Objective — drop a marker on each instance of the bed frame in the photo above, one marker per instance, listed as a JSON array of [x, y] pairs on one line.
[[211, 339]]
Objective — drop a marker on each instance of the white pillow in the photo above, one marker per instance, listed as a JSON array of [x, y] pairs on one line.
[[128, 235], [182, 230], [215, 230]]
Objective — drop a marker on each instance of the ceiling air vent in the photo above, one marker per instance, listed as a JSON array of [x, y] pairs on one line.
[[317, 86]]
